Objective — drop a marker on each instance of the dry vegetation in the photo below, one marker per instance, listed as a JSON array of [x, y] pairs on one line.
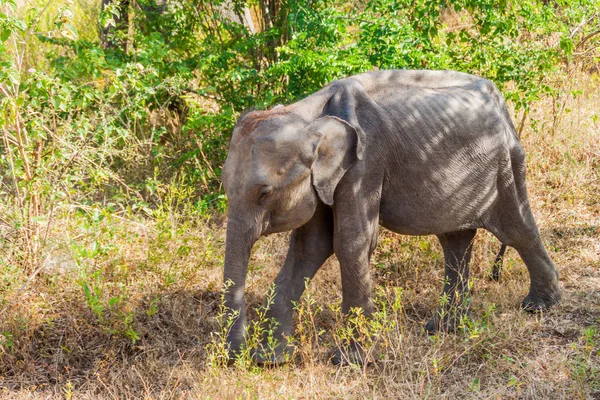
[[128, 308]]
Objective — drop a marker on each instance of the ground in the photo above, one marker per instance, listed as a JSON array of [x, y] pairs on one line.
[[127, 305]]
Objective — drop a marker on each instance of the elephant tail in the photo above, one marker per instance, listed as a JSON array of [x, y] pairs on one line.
[[497, 267]]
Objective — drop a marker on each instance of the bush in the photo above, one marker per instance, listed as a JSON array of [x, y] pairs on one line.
[[109, 117]]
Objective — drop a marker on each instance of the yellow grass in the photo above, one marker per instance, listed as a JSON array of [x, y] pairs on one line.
[[164, 274]]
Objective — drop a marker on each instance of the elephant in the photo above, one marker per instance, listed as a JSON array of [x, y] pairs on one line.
[[419, 152]]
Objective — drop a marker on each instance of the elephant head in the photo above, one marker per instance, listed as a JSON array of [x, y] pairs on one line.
[[278, 168]]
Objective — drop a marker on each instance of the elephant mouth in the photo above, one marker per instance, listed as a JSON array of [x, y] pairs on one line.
[[267, 225]]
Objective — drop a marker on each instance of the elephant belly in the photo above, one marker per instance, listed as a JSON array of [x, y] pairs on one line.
[[437, 206], [419, 221]]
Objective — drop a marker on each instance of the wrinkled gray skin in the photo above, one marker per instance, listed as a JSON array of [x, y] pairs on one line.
[[418, 152]]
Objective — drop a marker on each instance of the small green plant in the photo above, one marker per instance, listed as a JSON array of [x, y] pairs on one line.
[[307, 336], [6, 341], [475, 385], [584, 367], [93, 297], [372, 335], [260, 338], [68, 390], [218, 349]]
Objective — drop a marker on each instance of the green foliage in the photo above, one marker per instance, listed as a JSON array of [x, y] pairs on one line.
[[495, 40], [114, 117]]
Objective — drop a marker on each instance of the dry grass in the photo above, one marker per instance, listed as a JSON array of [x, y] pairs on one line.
[[158, 281]]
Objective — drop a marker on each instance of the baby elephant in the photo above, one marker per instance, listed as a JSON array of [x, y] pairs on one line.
[[418, 152]]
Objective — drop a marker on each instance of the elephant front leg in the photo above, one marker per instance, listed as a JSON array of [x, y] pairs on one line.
[[354, 242], [310, 246], [457, 255]]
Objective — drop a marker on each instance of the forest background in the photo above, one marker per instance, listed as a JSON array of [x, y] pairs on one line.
[[115, 120]]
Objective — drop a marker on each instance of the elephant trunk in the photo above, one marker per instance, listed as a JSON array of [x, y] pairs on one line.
[[240, 239]]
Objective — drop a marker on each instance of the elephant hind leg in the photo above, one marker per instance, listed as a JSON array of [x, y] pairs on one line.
[[543, 290], [514, 225]]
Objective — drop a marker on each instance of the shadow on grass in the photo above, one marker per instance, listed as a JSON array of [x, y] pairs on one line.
[[172, 327]]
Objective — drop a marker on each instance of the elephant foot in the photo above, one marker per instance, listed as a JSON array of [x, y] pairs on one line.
[[273, 357], [538, 302], [349, 354], [235, 348], [263, 357], [447, 321], [236, 337]]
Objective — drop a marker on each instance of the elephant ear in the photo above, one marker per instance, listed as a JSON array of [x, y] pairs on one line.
[[336, 151], [344, 104]]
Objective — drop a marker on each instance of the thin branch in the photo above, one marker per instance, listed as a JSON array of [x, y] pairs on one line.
[[522, 124], [586, 38], [582, 24], [12, 170]]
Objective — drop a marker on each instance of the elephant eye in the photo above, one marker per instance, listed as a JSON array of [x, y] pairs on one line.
[[264, 193]]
